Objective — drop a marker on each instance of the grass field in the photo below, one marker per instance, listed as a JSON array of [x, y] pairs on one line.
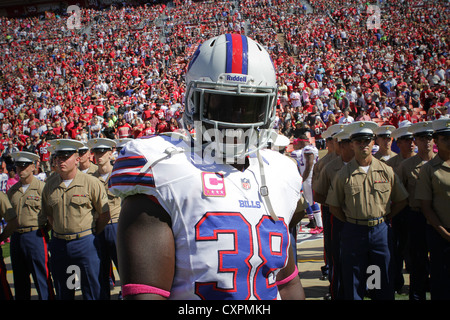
[[5, 249]]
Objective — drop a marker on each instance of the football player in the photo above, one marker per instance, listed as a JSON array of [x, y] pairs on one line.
[[306, 156], [209, 218]]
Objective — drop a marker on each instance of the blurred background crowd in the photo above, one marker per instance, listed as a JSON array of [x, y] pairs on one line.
[[122, 73]]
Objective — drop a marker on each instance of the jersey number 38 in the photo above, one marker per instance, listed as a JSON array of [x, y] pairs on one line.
[[257, 251]]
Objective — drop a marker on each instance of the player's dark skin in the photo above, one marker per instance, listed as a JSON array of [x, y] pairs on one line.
[[144, 232]]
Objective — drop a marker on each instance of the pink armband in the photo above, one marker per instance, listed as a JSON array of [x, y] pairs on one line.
[[287, 279], [133, 289]]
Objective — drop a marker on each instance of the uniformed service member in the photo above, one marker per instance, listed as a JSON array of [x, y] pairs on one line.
[[384, 141], [120, 143], [85, 165], [333, 152], [29, 242], [405, 142], [6, 212], [326, 177], [365, 194], [76, 206], [102, 148], [416, 223], [433, 190]]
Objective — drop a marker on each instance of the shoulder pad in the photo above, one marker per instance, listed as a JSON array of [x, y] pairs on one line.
[[134, 169]]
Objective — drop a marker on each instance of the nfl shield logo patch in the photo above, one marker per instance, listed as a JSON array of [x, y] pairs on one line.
[[245, 183]]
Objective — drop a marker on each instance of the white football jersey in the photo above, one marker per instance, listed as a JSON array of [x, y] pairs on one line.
[[227, 245], [299, 156], [3, 181]]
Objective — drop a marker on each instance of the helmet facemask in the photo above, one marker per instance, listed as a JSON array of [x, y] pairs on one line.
[[232, 120]]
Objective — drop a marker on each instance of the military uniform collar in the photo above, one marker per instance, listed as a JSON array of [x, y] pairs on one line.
[[437, 161], [77, 181], [375, 165], [33, 185], [100, 176], [337, 162]]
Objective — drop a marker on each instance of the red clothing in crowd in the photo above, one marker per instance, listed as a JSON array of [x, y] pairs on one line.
[[163, 126], [44, 154], [125, 131], [148, 131], [100, 110]]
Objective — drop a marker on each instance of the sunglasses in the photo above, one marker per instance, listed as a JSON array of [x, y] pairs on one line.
[[22, 164], [363, 139], [82, 152], [64, 155], [101, 150], [426, 137]]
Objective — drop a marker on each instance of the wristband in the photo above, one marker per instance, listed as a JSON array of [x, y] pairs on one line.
[[287, 279], [133, 289]]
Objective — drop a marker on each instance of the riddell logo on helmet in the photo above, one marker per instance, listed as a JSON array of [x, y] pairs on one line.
[[236, 78]]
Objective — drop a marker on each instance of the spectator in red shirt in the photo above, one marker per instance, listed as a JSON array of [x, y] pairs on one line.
[[148, 129], [100, 110], [70, 124], [44, 155], [163, 126], [138, 128], [57, 129], [173, 124], [124, 130], [404, 115], [414, 117], [373, 111], [147, 113]]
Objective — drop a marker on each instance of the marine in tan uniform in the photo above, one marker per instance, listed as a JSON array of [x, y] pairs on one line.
[[102, 149], [433, 190], [417, 247], [86, 165], [29, 242], [405, 142], [120, 143], [7, 213], [333, 152], [332, 148], [365, 194], [327, 174], [384, 141], [76, 205]]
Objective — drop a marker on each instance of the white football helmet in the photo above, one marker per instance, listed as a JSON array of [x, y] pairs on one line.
[[230, 85]]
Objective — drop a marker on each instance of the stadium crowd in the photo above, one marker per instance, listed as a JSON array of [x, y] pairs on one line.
[[121, 74]]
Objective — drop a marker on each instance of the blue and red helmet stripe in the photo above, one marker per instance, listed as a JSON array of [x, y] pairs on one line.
[[237, 54]]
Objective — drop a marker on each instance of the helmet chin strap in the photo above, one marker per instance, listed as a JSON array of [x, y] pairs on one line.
[[264, 190]]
